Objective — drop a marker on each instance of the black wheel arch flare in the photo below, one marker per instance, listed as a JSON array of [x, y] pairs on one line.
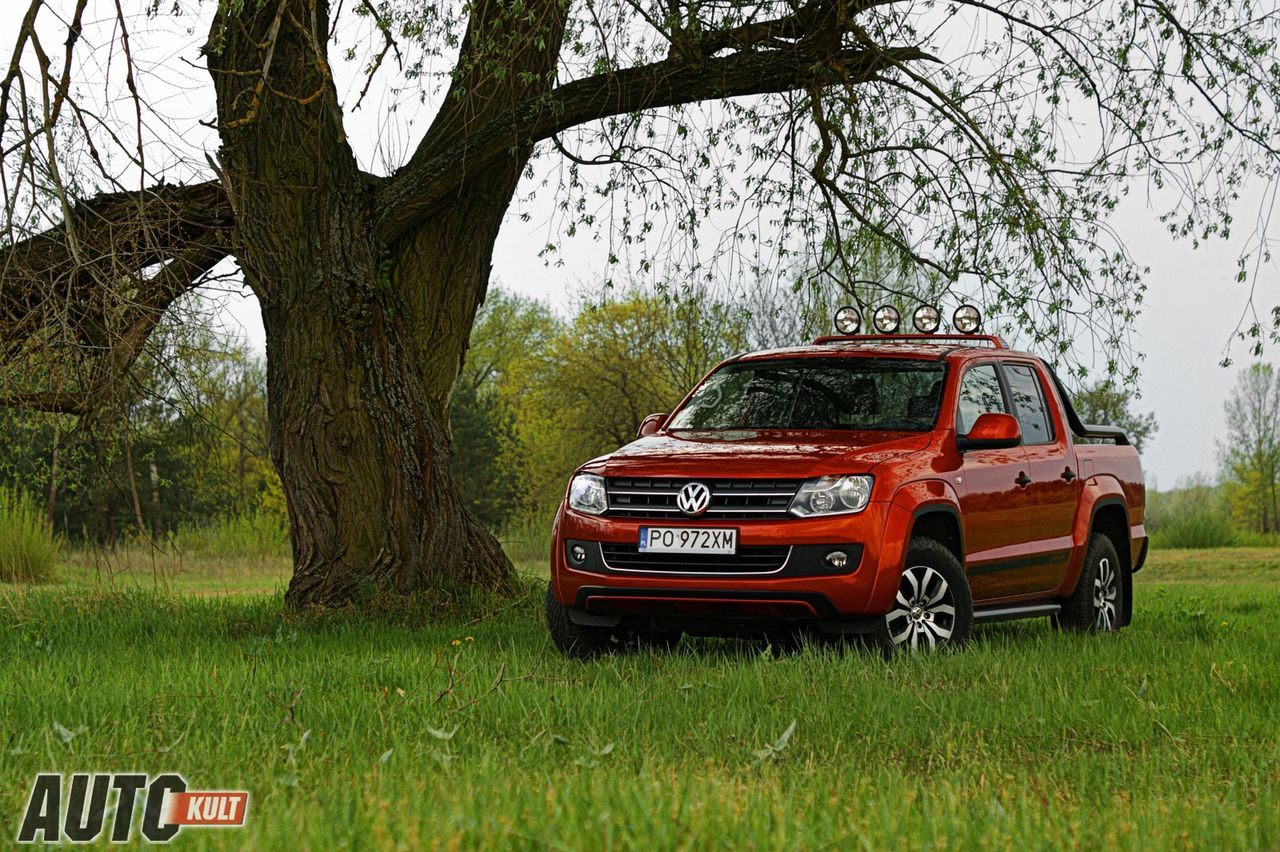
[[1123, 545]]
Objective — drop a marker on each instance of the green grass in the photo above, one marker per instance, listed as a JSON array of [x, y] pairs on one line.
[[256, 535], [382, 733], [173, 572], [28, 548], [527, 544]]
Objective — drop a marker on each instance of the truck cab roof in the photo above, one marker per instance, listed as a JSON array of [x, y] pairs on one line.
[[933, 347]]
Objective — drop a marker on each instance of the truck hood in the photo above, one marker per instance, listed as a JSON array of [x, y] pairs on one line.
[[764, 454]]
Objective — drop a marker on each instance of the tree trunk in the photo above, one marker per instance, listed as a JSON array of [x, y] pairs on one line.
[[134, 502], [51, 504], [362, 452], [241, 455], [157, 524], [364, 340]]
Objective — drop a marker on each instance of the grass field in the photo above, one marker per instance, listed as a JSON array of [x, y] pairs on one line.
[[476, 733]]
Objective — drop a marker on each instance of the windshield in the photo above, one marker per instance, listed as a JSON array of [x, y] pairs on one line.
[[873, 394]]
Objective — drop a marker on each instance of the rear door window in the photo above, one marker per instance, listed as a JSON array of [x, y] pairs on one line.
[[1029, 404], [980, 393]]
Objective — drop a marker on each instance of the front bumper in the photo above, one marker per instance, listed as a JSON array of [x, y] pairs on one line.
[[804, 589]]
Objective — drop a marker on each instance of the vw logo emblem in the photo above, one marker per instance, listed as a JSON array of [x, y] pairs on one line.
[[693, 499]]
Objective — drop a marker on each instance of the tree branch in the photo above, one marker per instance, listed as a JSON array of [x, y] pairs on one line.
[[118, 235], [134, 254], [413, 193]]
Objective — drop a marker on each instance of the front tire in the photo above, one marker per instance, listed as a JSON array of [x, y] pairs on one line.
[[1096, 604], [576, 641], [934, 606]]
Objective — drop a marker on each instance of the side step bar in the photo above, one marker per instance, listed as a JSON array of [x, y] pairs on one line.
[[1008, 613]]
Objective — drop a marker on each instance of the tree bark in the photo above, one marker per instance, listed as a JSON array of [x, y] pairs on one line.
[[364, 339]]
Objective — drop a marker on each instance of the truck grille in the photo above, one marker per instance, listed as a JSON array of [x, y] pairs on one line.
[[748, 560], [742, 499]]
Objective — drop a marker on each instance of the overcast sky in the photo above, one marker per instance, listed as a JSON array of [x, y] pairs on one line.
[[1192, 304]]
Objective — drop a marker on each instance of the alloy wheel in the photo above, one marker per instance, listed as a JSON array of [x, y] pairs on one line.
[[924, 614], [1105, 594]]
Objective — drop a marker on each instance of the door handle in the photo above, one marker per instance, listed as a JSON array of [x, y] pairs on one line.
[[1023, 480], [1068, 474]]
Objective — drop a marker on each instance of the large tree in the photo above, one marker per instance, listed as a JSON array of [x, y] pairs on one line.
[[985, 142], [1251, 451]]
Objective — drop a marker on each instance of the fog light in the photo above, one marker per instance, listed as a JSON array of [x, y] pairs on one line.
[[838, 559], [577, 554]]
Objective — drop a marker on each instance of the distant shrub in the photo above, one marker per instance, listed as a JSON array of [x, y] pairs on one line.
[[1201, 529], [527, 543], [28, 548], [1193, 516], [1248, 538], [253, 535]]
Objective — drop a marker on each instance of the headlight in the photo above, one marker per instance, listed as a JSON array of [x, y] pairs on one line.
[[832, 495], [586, 494]]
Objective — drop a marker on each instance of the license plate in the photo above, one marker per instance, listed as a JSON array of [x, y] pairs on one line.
[[688, 540]]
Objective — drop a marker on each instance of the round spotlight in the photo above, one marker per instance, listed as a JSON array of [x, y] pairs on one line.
[[848, 320], [926, 319], [966, 319], [886, 319]]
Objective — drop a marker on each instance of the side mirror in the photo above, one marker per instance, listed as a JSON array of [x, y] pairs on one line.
[[991, 431], [650, 424]]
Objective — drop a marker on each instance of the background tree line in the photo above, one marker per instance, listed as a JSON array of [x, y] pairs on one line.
[[540, 392], [185, 445], [1240, 506]]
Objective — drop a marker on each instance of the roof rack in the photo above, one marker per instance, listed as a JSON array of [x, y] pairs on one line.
[[987, 340]]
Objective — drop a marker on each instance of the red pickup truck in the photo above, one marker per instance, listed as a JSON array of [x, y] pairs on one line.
[[902, 487]]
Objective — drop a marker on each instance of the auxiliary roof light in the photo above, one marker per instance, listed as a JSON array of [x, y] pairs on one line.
[[926, 319], [848, 320], [886, 319], [966, 319]]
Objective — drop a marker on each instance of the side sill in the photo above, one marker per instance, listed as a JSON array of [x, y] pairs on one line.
[[1009, 613]]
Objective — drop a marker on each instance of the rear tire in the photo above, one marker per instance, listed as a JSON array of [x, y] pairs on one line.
[[934, 606], [576, 641], [1098, 601]]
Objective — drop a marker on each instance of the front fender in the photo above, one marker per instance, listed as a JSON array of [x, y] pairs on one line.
[[909, 502]]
